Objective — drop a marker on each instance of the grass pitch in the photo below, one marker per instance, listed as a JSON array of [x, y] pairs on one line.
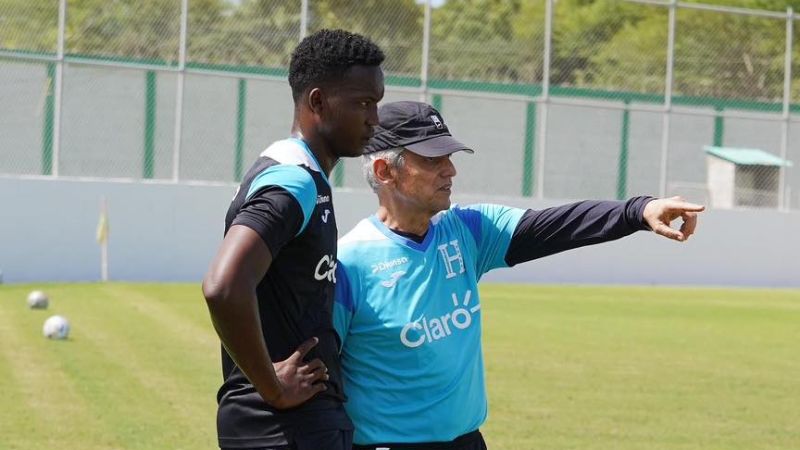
[[567, 368]]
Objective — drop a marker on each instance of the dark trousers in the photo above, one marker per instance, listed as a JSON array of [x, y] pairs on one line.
[[469, 441], [327, 440]]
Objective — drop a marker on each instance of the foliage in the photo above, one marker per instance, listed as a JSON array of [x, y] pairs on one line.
[[601, 44]]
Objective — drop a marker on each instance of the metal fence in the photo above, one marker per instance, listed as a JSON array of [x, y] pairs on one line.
[[567, 99]]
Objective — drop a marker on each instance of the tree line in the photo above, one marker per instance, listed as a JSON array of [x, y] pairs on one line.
[[602, 44]]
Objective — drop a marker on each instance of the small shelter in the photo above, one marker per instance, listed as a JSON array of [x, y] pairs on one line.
[[743, 177]]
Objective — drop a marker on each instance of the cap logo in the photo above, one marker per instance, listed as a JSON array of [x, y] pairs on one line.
[[437, 122]]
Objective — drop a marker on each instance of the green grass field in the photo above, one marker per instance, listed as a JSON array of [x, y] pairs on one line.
[[567, 368]]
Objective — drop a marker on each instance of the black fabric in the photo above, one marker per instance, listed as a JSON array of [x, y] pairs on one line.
[[274, 214], [470, 441], [414, 237], [295, 303], [552, 230], [415, 126], [327, 440]]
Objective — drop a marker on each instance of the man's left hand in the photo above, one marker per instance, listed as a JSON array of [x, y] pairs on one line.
[[659, 213]]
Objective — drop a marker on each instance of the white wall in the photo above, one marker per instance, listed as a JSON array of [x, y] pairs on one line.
[[103, 133], [165, 232]]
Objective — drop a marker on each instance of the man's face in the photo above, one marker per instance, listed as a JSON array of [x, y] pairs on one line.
[[425, 183], [352, 111]]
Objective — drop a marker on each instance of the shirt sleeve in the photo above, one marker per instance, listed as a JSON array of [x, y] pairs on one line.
[[553, 230], [278, 205], [343, 305], [492, 227]]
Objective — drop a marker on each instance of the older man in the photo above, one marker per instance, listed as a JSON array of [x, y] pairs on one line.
[[407, 305]]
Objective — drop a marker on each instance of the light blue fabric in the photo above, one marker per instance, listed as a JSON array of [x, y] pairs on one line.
[[295, 180], [410, 322], [308, 151]]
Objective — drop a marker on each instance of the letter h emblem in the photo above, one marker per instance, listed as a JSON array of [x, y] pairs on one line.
[[449, 259]]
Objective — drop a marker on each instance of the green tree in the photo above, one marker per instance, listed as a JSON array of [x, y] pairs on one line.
[[633, 59], [477, 40], [264, 32], [528, 28], [395, 25], [139, 29], [716, 55], [253, 33], [29, 26], [727, 56], [584, 28], [606, 44]]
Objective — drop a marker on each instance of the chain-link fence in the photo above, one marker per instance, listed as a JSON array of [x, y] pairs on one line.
[[566, 99]]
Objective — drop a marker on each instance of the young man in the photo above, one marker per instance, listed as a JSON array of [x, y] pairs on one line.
[[407, 305], [270, 287]]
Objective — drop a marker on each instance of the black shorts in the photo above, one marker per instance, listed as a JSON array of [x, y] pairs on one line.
[[328, 440], [469, 441]]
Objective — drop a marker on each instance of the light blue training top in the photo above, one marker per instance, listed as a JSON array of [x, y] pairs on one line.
[[409, 318]]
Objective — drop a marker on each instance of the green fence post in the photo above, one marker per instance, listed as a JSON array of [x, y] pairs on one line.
[[529, 151], [622, 171], [719, 127], [338, 174], [148, 165], [436, 101], [238, 165], [49, 120]]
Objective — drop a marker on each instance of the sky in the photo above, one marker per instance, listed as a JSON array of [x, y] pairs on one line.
[[434, 3]]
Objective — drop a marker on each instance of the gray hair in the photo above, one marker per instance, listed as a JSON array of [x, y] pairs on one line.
[[393, 157]]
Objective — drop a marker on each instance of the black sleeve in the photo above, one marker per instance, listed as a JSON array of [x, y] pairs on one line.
[[274, 214], [552, 230]]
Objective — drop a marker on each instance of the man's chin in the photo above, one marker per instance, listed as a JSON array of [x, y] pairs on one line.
[[351, 152], [444, 206]]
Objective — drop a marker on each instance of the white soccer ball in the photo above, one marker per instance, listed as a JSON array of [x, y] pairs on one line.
[[56, 327], [38, 300]]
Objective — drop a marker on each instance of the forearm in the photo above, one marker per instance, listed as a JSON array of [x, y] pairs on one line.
[[553, 230], [237, 323], [230, 292]]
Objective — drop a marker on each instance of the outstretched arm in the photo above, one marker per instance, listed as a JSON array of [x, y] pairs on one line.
[[230, 292], [553, 230]]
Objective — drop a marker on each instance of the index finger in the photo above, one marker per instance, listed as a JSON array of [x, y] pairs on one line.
[[689, 223], [679, 205], [666, 231], [304, 348]]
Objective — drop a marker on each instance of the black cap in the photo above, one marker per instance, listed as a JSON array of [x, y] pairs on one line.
[[415, 126]]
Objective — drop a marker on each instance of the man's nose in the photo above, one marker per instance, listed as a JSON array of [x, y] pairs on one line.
[[449, 169], [372, 115]]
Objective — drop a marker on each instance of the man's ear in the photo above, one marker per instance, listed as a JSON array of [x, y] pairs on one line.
[[383, 173], [316, 100]]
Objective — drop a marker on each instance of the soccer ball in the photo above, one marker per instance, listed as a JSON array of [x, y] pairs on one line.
[[38, 300], [56, 327]]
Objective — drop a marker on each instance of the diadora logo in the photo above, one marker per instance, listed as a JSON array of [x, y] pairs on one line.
[[323, 199], [326, 269], [325, 215], [422, 330], [386, 265], [392, 281]]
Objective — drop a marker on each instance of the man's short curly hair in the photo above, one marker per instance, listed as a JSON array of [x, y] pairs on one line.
[[326, 55]]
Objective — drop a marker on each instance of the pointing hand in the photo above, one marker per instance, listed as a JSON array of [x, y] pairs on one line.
[[659, 214]]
